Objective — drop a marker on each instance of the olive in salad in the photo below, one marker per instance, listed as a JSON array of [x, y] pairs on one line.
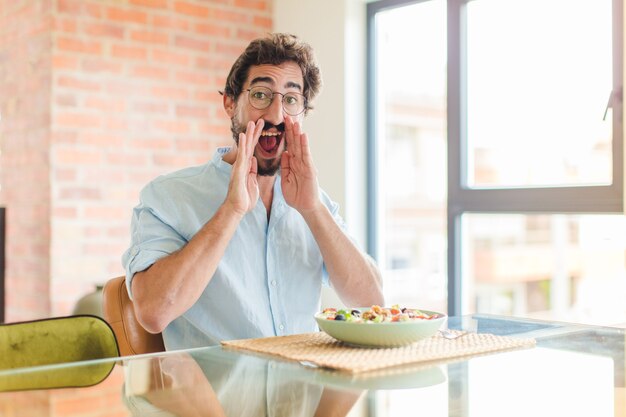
[[377, 314]]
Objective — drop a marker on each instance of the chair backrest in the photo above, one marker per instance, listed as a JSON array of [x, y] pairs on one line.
[[118, 311], [54, 341]]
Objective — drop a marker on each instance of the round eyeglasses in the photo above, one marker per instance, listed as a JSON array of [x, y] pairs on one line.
[[261, 97]]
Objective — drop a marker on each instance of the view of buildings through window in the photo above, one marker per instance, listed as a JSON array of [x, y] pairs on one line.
[[536, 104], [411, 85]]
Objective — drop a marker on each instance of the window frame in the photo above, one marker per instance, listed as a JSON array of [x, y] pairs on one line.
[[601, 199]]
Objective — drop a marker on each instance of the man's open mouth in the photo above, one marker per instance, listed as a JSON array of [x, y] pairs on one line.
[[270, 140]]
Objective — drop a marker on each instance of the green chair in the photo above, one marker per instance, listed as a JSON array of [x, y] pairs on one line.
[[27, 348]]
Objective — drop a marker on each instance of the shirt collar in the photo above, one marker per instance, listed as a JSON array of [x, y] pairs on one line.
[[219, 161]]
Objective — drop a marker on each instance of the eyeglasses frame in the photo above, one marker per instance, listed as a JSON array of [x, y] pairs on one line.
[[304, 108]]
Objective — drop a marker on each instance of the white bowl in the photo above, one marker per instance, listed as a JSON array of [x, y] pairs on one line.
[[385, 334]]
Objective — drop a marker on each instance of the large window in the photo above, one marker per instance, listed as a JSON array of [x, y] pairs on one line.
[[496, 155], [410, 153]]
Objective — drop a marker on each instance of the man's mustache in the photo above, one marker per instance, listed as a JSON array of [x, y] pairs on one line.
[[269, 126]]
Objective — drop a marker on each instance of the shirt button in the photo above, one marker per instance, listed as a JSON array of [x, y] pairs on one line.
[[281, 327], [274, 282]]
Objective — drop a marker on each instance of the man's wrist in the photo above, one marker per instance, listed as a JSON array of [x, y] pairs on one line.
[[229, 210], [316, 213]]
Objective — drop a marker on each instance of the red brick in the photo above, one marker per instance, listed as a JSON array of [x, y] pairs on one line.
[[105, 104], [78, 45], [126, 159], [103, 140], [79, 8], [191, 9], [66, 100], [263, 22], [115, 232], [171, 161], [116, 124], [63, 136], [201, 112], [73, 406], [209, 96], [252, 4], [215, 64], [120, 194], [229, 49], [79, 193], [126, 15], [193, 77], [93, 10], [65, 175], [78, 83], [102, 249], [151, 107], [213, 29], [249, 34], [220, 81], [104, 29], [160, 4], [100, 65], [65, 212], [65, 25], [220, 130], [124, 86], [149, 36], [169, 22], [132, 52], [113, 174], [106, 213], [170, 57], [198, 44], [77, 157], [79, 120], [64, 62], [231, 16], [194, 145], [152, 144], [146, 71], [73, 7], [172, 126], [170, 92]]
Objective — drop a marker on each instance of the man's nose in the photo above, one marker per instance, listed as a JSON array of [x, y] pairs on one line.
[[274, 113]]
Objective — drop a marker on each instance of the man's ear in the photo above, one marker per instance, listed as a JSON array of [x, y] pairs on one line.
[[229, 105]]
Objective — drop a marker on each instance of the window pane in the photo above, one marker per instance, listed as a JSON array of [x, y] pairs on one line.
[[539, 79], [411, 141], [563, 267]]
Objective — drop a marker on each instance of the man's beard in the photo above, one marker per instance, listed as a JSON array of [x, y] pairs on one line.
[[267, 168]]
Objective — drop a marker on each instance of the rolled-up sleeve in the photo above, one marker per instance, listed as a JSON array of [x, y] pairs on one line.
[[153, 233]]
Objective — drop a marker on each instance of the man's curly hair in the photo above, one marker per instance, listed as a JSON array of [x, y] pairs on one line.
[[276, 49]]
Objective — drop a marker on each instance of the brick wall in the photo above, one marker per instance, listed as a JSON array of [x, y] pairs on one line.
[[25, 88], [127, 90]]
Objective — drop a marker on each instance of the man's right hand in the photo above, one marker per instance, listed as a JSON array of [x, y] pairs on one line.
[[243, 190]]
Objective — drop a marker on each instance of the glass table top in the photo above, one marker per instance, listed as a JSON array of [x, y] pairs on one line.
[[575, 370]]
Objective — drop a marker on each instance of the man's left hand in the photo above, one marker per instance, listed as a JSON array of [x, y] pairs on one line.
[[298, 173]]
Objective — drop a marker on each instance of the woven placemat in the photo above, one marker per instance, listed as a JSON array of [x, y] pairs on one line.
[[324, 351]]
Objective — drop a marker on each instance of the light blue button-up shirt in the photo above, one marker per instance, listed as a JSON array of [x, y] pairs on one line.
[[267, 283]]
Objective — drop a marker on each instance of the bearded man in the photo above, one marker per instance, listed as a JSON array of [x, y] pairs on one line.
[[240, 247]]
